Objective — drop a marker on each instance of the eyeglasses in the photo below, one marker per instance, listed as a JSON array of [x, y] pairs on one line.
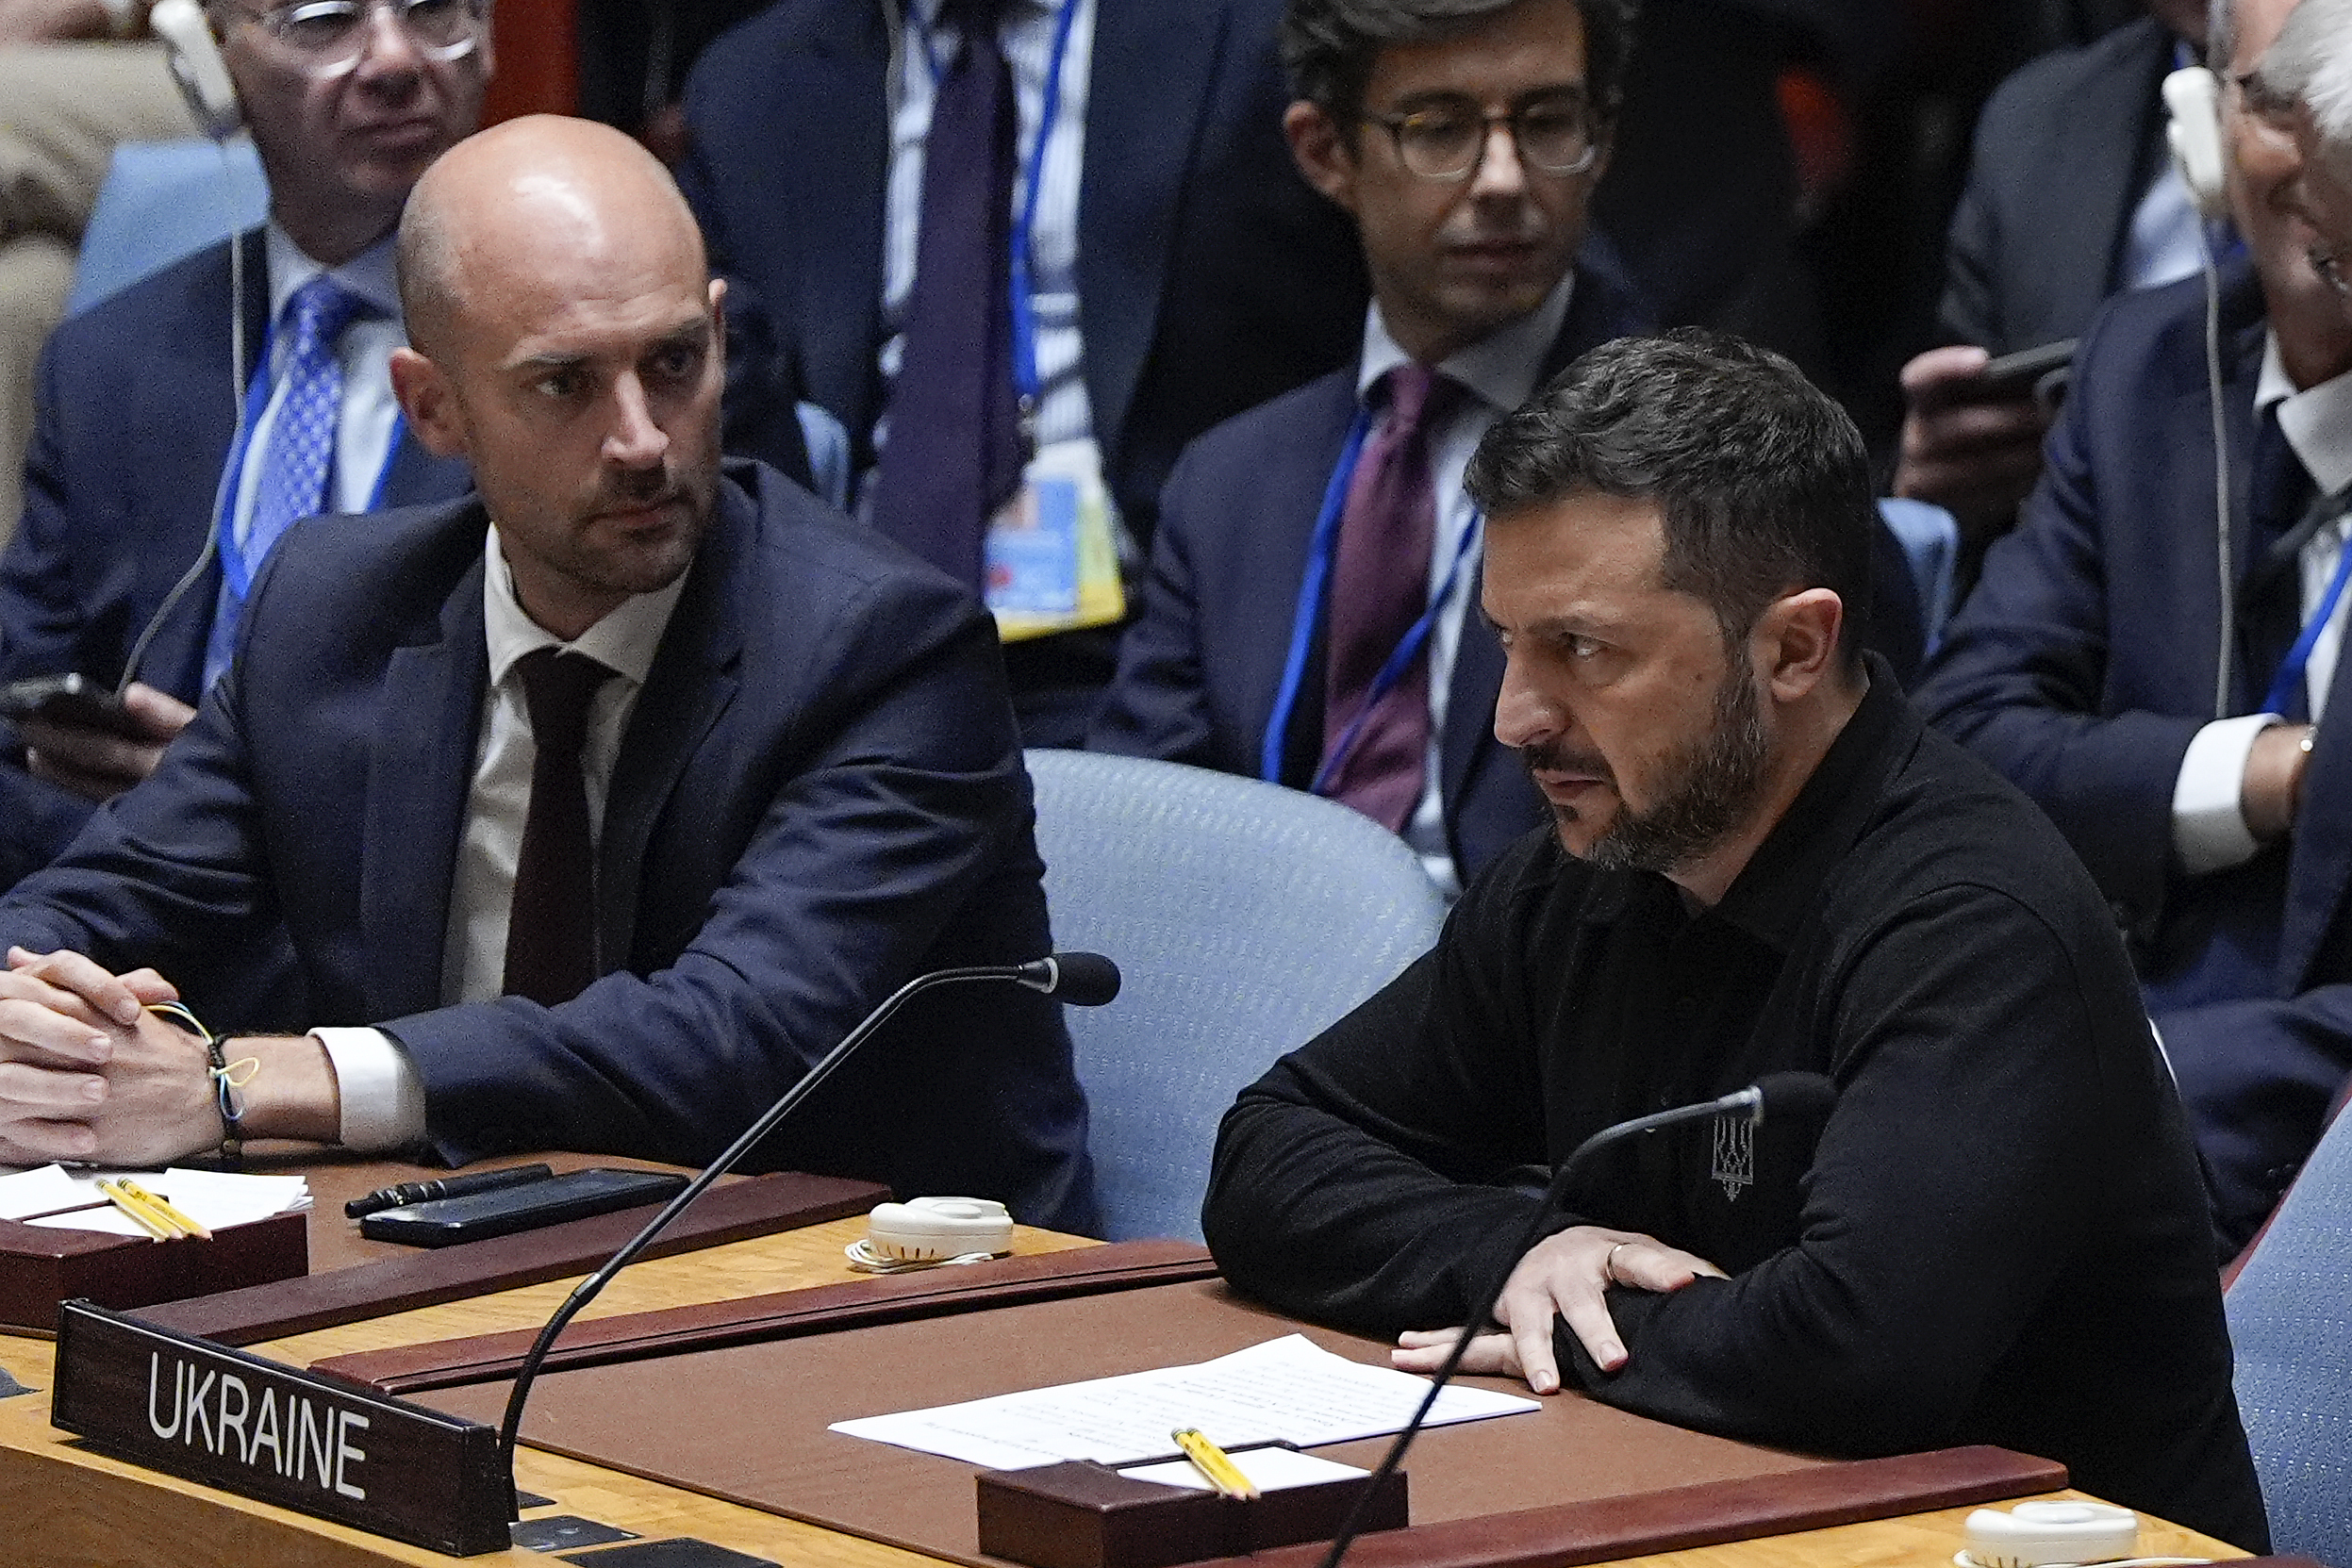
[[2260, 98], [1448, 141], [329, 37], [2330, 265]]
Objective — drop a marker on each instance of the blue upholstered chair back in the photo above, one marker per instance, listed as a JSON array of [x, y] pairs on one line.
[[1931, 540], [1244, 917], [2291, 1323], [162, 201]]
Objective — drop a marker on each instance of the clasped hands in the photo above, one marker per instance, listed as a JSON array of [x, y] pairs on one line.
[[88, 1073], [1564, 1276]]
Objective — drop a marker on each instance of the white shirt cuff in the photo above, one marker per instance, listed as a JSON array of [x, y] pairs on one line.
[[2209, 828], [383, 1098]]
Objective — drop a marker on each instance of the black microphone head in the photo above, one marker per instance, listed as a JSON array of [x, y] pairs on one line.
[[1807, 1095], [1083, 979]]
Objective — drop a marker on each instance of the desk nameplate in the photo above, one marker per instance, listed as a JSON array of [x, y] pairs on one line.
[[279, 1435]]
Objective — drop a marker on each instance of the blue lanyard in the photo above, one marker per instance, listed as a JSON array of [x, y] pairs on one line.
[[1026, 382], [2291, 668], [236, 571], [1323, 548]]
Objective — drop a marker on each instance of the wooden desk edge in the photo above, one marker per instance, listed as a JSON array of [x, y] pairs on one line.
[[67, 1504]]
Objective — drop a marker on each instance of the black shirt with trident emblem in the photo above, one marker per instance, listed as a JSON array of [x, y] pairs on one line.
[[1996, 1235]]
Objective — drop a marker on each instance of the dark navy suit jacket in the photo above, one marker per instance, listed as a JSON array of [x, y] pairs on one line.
[[2064, 150], [1200, 672], [136, 408], [1210, 275], [2081, 667], [818, 796]]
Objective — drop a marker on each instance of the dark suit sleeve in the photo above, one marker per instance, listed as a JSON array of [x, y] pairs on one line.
[[2020, 675], [2258, 1075], [1970, 310], [1364, 1180], [2064, 151], [911, 797], [40, 612], [41, 633], [168, 874], [1158, 705]]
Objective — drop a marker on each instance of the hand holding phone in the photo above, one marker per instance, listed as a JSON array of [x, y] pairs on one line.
[[2043, 371], [84, 737], [1972, 442]]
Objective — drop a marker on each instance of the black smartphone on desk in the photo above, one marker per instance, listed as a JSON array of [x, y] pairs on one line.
[[576, 1194]]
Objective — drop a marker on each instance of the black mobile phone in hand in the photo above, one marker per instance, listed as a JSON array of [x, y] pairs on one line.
[[576, 1194], [70, 700], [2015, 375]]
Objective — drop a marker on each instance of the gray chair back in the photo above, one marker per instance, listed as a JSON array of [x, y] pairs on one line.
[[1244, 919], [2290, 1323]]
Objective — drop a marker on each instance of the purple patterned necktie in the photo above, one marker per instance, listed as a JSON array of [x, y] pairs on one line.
[[1380, 588], [952, 453], [550, 925]]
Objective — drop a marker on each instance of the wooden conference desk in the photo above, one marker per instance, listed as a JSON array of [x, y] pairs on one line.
[[60, 1504]]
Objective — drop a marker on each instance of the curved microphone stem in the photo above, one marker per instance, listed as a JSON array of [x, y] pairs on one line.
[[1748, 1101], [590, 1287]]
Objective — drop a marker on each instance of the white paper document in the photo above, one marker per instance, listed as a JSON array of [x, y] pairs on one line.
[[1268, 1470], [1287, 1390], [215, 1199]]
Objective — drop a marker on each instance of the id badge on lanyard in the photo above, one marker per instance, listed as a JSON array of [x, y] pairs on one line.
[[1050, 561]]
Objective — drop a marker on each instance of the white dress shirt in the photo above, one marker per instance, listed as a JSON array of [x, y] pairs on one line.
[[1025, 33], [383, 1100], [2208, 823], [2166, 240], [1500, 371]]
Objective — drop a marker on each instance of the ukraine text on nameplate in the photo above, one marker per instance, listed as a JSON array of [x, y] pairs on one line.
[[199, 1410]]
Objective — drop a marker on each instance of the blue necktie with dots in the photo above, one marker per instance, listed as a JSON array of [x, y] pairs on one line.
[[300, 454]]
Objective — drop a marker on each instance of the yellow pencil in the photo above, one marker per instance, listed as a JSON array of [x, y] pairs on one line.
[[1214, 1463], [157, 1227], [164, 1207]]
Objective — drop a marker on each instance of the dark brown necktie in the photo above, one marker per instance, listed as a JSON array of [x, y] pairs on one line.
[[551, 927]]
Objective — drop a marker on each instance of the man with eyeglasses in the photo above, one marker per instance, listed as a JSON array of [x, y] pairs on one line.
[[1307, 615], [1306, 619], [2182, 721], [2306, 81], [185, 424]]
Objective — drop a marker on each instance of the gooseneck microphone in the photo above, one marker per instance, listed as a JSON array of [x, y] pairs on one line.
[[1081, 979], [1775, 1093]]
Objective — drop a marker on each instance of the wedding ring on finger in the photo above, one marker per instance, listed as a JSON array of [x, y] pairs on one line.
[[1609, 1264]]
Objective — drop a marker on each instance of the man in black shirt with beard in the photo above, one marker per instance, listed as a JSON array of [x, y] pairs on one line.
[[1761, 862]]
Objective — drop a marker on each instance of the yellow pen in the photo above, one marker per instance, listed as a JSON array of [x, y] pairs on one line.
[[1214, 1463], [157, 1227], [164, 1207]]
